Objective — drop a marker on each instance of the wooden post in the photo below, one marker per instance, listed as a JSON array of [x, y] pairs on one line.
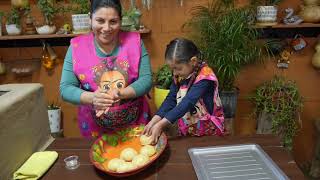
[[315, 166]]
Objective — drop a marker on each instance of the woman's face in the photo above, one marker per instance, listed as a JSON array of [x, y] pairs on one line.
[[106, 24]]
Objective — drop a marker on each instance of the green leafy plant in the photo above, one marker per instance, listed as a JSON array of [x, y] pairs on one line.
[[163, 77], [80, 6], [226, 39], [48, 10], [13, 17], [280, 99], [1, 13], [53, 105]]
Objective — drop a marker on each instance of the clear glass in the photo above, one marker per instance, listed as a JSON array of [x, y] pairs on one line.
[[72, 162]]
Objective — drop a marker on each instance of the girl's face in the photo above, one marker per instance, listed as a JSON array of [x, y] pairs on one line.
[[182, 70], [106, 25]]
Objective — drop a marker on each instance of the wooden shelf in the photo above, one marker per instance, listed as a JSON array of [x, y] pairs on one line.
[[35, 40], [288, 31], [281, 25]]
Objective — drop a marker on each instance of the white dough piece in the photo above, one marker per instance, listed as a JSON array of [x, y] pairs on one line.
[[148, 150], [114, 163], [125, 167], [127, 154], [145, 140], [140, 160]]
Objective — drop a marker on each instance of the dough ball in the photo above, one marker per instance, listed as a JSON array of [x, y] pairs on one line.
[[145, 140], [127, 154], [114, 163], [148, 150], [140, 160], [125, 167]]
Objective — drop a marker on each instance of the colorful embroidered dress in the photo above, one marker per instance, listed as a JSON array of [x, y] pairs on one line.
[[108, 73], [201, 123]]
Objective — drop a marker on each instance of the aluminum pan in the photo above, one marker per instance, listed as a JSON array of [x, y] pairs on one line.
[[240, 162]]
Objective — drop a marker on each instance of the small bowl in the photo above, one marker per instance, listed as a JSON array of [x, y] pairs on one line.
[[72, 162], [46, 29]]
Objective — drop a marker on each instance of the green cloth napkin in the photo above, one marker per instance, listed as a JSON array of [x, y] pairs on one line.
[[37, 164]]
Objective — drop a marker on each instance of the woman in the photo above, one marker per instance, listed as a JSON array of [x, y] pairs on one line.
[[107, 72]]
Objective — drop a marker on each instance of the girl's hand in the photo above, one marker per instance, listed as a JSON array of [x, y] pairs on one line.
[[157, 129], [147, 128]]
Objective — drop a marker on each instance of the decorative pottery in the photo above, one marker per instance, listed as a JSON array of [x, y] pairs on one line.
[[19, 3], [310, 14], [46, 29], [13, 29], [101, 152], [159, 96], [54, 120], [80, 23], [267, 15]]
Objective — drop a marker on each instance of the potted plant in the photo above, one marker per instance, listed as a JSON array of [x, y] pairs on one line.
[[278, 104], [162, 81], [54, 114], [228, 43], [48, 10], [13, 24], [131, 18], [267, 12], [80, 16]]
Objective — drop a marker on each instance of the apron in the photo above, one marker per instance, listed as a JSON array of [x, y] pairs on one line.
[[200, 122], [118, 71]]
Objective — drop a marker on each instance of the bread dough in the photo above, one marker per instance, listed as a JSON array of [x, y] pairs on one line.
[[114, 163], [125, 167], [145, 140], [148, 150], [140, 160], [127, 154]]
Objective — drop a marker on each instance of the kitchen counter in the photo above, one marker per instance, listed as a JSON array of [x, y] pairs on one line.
[[174, 163]]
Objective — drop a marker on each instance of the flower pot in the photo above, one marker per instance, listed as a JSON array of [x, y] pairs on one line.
[[267, 15], [229, 102], [54, 120], [46, 29], [13, 29], [81, 23], [159, 96], [20, 3]]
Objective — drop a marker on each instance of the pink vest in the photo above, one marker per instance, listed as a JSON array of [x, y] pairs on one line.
[[201, 122], [93, 72]]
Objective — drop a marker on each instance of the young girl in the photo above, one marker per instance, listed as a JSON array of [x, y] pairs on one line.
[[193, 100]]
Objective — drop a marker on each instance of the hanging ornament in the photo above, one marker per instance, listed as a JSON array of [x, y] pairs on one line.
[[46, 58]]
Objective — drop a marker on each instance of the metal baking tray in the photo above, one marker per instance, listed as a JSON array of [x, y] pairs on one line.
[[234, 162]]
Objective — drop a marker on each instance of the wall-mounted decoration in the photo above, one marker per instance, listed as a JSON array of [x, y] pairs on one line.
[[298, 43], [316, 57]]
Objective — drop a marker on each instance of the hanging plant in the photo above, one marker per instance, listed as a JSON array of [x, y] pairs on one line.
[[281, 101]]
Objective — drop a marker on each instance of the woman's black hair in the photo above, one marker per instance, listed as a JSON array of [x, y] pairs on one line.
[[182, 50], [97, 4]]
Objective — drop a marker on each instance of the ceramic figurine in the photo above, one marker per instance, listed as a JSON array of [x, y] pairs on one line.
[[290, 18], [284, 60]]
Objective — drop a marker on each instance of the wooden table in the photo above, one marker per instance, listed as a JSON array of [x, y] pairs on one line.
[[174, 163]]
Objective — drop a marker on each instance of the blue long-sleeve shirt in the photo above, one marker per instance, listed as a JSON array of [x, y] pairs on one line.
[[203, 89]]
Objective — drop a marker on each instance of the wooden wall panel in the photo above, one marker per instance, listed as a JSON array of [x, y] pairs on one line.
[[165, 20]]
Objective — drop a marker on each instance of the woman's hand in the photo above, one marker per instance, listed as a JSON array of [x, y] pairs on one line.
[[157, 129], [147, 128], [102, 101]]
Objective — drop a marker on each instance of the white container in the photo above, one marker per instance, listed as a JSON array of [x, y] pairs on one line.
[[46, 29], [54, 120], [13, 29], [80, 23], [267, 14]]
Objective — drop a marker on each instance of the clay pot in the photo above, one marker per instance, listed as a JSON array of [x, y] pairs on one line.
[[311, 2], [310, 14], [19, 3]]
